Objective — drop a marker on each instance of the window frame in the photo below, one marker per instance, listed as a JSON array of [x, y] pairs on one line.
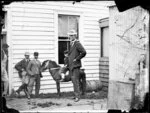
[[103, 23], [80, 28]]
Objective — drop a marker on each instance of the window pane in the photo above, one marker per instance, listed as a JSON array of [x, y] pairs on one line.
[[62, 26], [105, 42]]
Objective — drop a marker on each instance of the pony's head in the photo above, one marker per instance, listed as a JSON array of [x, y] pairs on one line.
[[45, 65]]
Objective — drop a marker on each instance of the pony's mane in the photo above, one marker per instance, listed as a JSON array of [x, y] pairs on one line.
[[44, 62], [54, 63]]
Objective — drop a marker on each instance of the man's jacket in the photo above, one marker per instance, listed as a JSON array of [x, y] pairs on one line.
[[34, 67], [21, 65], [77, 52]]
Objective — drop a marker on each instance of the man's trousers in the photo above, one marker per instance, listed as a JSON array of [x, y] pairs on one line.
[[34, 79], [75, 75]]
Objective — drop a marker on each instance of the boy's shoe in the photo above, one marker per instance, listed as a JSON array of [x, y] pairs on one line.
[[18, 93]]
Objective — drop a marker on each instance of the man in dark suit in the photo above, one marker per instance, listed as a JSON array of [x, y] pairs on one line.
[[76, 53], [21, 67]]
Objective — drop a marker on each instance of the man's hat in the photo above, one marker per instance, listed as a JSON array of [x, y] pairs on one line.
[[72, 32], [27, 53], [5, 45], [36, 53]]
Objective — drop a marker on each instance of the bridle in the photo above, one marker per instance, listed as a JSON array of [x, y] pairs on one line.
[[54, 67]]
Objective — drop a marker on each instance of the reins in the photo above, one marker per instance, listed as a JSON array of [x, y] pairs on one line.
[[54, 68]]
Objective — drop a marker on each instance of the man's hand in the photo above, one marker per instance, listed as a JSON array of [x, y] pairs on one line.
[[74, 60]]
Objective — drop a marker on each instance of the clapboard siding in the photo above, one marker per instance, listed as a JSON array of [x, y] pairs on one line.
[[33, 29], [104, 72], [32, 38]]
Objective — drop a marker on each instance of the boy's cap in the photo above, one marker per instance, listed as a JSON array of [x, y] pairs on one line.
[[36, 53]]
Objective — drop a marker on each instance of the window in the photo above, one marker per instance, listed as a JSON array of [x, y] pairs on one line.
[[65, 24], [104, 29], [104, 42]]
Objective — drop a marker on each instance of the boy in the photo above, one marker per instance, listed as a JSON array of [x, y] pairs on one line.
[[65, 70]]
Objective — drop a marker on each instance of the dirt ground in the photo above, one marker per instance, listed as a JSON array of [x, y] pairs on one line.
[[52, 102]]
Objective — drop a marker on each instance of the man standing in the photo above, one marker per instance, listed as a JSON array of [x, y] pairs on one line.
[[21, 67], [4, 74], [76, 53], [34, 71]]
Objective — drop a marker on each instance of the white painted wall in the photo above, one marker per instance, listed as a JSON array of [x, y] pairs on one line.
[[34, 28]]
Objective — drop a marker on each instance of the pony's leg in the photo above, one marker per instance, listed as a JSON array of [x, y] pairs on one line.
[[58, 88]]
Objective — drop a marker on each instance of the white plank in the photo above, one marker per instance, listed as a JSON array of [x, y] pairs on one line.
[[32, 33], [92, 47], [89, 75], [17, 13], [32, 51], [93, 78], [36, 24], [97, 31], [88, 27], [23, 8], [91, 64], [40, 58], [40, 55], [91, 59], [92, 55], [92, 35], [89, 18], [93, 23], [29, 28], [32, 42], [91, 38], [96, 75], [89, 71], [33, 47], [91, 51], [92, 67], [99, 3], [33, 38], [99, 14], [92, 43], [27, 19]]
